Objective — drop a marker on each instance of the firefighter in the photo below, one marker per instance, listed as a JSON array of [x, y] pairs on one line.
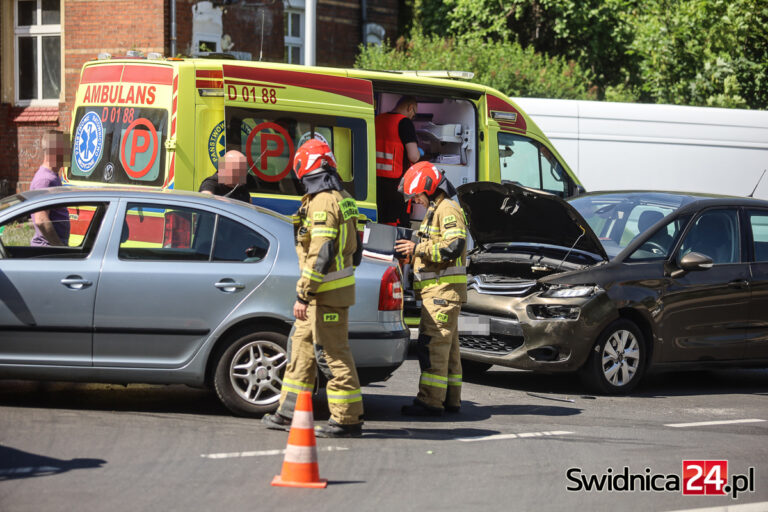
[[440, 279], [328, 248]]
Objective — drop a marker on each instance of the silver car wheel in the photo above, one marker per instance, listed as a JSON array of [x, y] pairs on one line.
[[255, 370], [620, 358]]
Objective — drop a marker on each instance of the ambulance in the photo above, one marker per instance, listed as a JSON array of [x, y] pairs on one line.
[[166, 122]]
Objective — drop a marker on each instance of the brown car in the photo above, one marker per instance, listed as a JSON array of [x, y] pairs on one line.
[[609, 284]]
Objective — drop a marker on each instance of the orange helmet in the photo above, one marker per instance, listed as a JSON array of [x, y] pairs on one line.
[[311, 157], [420, 177]]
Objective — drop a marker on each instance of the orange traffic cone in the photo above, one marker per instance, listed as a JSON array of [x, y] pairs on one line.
[[300, 464]]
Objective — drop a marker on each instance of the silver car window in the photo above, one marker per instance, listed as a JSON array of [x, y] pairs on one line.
[[156, 232], [76, 226]]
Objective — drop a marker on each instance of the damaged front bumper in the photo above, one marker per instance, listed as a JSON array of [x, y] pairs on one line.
[[533, 332]]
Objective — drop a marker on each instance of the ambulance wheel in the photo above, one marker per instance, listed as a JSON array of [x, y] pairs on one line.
[[249, 372]]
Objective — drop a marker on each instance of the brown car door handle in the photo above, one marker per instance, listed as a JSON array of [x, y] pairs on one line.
[[741, 283]]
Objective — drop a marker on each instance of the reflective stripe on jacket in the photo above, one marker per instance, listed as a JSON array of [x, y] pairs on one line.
[[441, 252], [326, 240], [389, 147]]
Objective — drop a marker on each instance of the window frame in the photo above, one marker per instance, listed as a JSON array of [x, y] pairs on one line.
[[740, 234], [291, 41], [748, 231], [542, 150], [128, 250], [37, 31]]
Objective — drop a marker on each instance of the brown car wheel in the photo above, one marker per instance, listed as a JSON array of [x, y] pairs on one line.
[[249, 372], [617, 361]]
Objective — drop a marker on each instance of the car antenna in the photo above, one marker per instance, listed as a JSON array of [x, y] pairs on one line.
[[752, 194], [583, 232]]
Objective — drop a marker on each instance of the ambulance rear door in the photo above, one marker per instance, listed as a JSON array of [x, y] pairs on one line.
[[124, 116], [270, 112]]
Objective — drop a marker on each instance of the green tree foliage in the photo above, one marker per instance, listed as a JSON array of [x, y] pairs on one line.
[[696, 52], [592, 32], [704, 52], [506, 66]]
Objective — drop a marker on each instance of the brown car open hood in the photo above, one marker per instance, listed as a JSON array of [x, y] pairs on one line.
[[504, 212]]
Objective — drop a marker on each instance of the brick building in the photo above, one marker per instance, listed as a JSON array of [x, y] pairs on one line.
[[44, 43]]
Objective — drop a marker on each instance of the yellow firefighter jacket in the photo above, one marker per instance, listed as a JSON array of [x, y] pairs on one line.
[[326, 243], [441, 251]]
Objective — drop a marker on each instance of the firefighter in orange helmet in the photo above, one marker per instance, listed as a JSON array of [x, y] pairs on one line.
[[440, 279], [329, 249]]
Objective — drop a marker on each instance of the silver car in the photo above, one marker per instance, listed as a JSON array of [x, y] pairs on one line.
[[170, 287]]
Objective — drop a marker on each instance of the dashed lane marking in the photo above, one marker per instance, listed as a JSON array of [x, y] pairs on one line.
[[522, 435], [745, 507], [708, 423], [264, 453]]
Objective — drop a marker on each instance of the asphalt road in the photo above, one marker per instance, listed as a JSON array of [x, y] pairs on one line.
[[520, 442]]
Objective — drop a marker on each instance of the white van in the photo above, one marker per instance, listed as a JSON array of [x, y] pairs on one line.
[[659, 147]]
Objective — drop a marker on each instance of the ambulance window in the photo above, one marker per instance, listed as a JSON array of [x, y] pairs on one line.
[[529, 163], [269, 140], [123, 145]]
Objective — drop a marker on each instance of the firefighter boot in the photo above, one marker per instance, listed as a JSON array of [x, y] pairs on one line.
[[333, 429], [276, 422]]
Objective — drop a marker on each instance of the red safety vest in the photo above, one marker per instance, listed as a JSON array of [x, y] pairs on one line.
[[389, 147]]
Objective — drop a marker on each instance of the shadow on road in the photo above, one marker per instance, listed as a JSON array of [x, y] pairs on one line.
[[384, 407], [176, 399], [655, 384], [16, 464]]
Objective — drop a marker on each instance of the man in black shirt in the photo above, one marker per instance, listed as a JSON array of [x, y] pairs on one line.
[[231, 178]]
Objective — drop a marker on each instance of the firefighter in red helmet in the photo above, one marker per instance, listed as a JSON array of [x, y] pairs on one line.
[[329, 249], [440, 279]]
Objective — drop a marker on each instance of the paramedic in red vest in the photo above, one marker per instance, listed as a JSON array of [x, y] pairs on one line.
[[396, 150]]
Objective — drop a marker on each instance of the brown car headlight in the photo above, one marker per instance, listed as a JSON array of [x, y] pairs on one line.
[[571, 292], [554, 312]]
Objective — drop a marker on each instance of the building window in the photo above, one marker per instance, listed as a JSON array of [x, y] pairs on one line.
[[294, 36], [37, 45]]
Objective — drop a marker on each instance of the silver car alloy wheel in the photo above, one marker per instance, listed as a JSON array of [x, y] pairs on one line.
[[255, 369], [620, 358]]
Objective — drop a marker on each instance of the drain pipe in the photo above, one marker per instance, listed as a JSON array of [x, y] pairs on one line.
[[310, 29], [173, 28], [363, 19]]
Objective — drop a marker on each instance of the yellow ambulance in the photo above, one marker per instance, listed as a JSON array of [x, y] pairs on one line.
[[166, 122]]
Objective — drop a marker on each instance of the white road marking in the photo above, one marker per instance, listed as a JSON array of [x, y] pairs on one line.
[[746, 507], [264, 453], [707, 423], [497, 437]]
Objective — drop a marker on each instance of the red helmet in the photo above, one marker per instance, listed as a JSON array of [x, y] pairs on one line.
[[420, 177], [312, 156]]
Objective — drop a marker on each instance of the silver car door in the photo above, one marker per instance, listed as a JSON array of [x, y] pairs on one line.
[[47, 292], [173, 272]]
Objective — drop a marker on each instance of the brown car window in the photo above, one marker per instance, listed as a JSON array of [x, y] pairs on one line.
[[758, 221], [715, 233]]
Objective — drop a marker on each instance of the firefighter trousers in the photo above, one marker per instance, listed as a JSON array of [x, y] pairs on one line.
[[438, 351], [322, 341]]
